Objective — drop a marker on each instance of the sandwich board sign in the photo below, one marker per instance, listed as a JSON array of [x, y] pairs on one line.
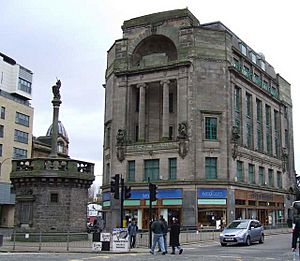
[[120, 240]]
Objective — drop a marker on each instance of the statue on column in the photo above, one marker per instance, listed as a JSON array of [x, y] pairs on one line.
[[55, 90]]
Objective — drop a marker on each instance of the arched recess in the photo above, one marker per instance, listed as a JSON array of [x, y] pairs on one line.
[[154, 50]]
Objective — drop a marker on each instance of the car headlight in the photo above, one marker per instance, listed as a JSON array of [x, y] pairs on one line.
[[221, 234]]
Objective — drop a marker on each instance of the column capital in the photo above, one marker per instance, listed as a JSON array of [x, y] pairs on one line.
[[162, 82], [141, 85]]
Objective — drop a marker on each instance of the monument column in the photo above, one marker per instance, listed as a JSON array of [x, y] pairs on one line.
[[56, 103], [165, 116], [142, 111]]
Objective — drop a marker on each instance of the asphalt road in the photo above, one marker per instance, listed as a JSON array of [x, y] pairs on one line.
[[276, 247]]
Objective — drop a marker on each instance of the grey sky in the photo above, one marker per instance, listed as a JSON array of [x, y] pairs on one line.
[[69, 39]]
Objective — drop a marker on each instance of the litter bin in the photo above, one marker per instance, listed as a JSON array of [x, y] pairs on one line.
[[1, 240]]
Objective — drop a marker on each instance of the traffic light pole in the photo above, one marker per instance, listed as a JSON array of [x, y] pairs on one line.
[[150, 216], [122, 201]]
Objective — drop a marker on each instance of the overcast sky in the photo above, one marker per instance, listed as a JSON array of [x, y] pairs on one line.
[[69, 39]]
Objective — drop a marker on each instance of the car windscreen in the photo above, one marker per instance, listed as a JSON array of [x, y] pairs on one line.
[[238, 225]]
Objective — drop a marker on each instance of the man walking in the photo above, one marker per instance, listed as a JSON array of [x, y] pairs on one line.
[[157, 228], [165, 232], [132, 230]]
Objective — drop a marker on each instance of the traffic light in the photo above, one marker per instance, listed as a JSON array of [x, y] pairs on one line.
[[127, 192], [153, 191], [114, 186]]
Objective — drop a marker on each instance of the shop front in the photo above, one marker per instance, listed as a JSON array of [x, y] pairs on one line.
[[268, 208], [212, 205]]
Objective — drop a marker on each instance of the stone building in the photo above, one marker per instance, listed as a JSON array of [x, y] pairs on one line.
[[16, 120], [204, 116]]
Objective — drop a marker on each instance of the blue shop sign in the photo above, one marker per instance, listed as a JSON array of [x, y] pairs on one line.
[[162, 193], [212, 193], [106, 196]]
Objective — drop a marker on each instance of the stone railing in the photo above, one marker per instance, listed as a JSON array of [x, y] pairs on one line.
[[52, 164]]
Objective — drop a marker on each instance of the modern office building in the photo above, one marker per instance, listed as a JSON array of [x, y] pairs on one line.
[[203, 115], [15, 128]]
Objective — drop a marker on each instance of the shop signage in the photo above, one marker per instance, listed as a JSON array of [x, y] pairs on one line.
[[120, 242], [106, 196], [212, 193], [162, 193], [260, 196]]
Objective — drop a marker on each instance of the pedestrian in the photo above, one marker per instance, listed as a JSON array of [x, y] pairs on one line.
[[296, 232], [165, 232], [157, 228], [132, 231], [174, 236]]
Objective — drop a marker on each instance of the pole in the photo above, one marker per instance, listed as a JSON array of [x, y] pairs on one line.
[[122, 201], [150, 216]]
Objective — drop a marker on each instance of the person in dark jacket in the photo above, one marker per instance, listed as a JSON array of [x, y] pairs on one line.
[[174, 236], [157, 228], [132, 230], [296, 232], [165, 232]]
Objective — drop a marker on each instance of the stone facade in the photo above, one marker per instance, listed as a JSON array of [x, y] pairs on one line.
[[188, 96]]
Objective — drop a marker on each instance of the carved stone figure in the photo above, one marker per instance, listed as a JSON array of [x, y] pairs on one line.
[[121, 137], [55, 89], [182, 131]]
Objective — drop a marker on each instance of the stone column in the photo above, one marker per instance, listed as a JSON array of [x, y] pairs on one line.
[[165, 116], [56, 103], [142, 111]]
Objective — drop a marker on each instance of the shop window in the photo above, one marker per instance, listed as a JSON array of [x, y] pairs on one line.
[[131, 171], [211, 168], [151, 169], [262, 203], [240, 202], [252, 203]]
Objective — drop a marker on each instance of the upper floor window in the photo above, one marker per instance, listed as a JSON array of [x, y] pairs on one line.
[[261, 176], [21, 136], [210, 168], [1, 131], [251, 174], [131, 170], [253, 58], [279, 179], [210, 128], [54, 197], [22, 119], [239, 170], [262, 65], [249, 105], [171, 102], [271, 177], [172, 168], [2, 114], [24, 85], [237, 99], [243, 49], [19, 153], [151, 169], [1, 151]]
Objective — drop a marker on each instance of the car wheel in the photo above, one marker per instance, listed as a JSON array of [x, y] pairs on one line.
[[223, 244], [248, 242], [262, 239]]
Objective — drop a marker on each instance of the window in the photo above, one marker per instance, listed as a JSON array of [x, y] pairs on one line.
[[249, 123], [25, 212], [1, 151], [262, 65], [211, 168], [22, 119], [171, 102], [19, 153], [170, 133], [54, 197], [261, 176], [239, 171], [279, 179], [137, 100], [151, 169], [237, 108], [2, 115], [251, 174], [1, 131], [271, 177], [210, 128], [243, 49], [259, 142], [253, 58], [131, 170], [21, 136], [60, 147], [268, 130], [24, 85], [277, 133], [172, 168], [249, 105]]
